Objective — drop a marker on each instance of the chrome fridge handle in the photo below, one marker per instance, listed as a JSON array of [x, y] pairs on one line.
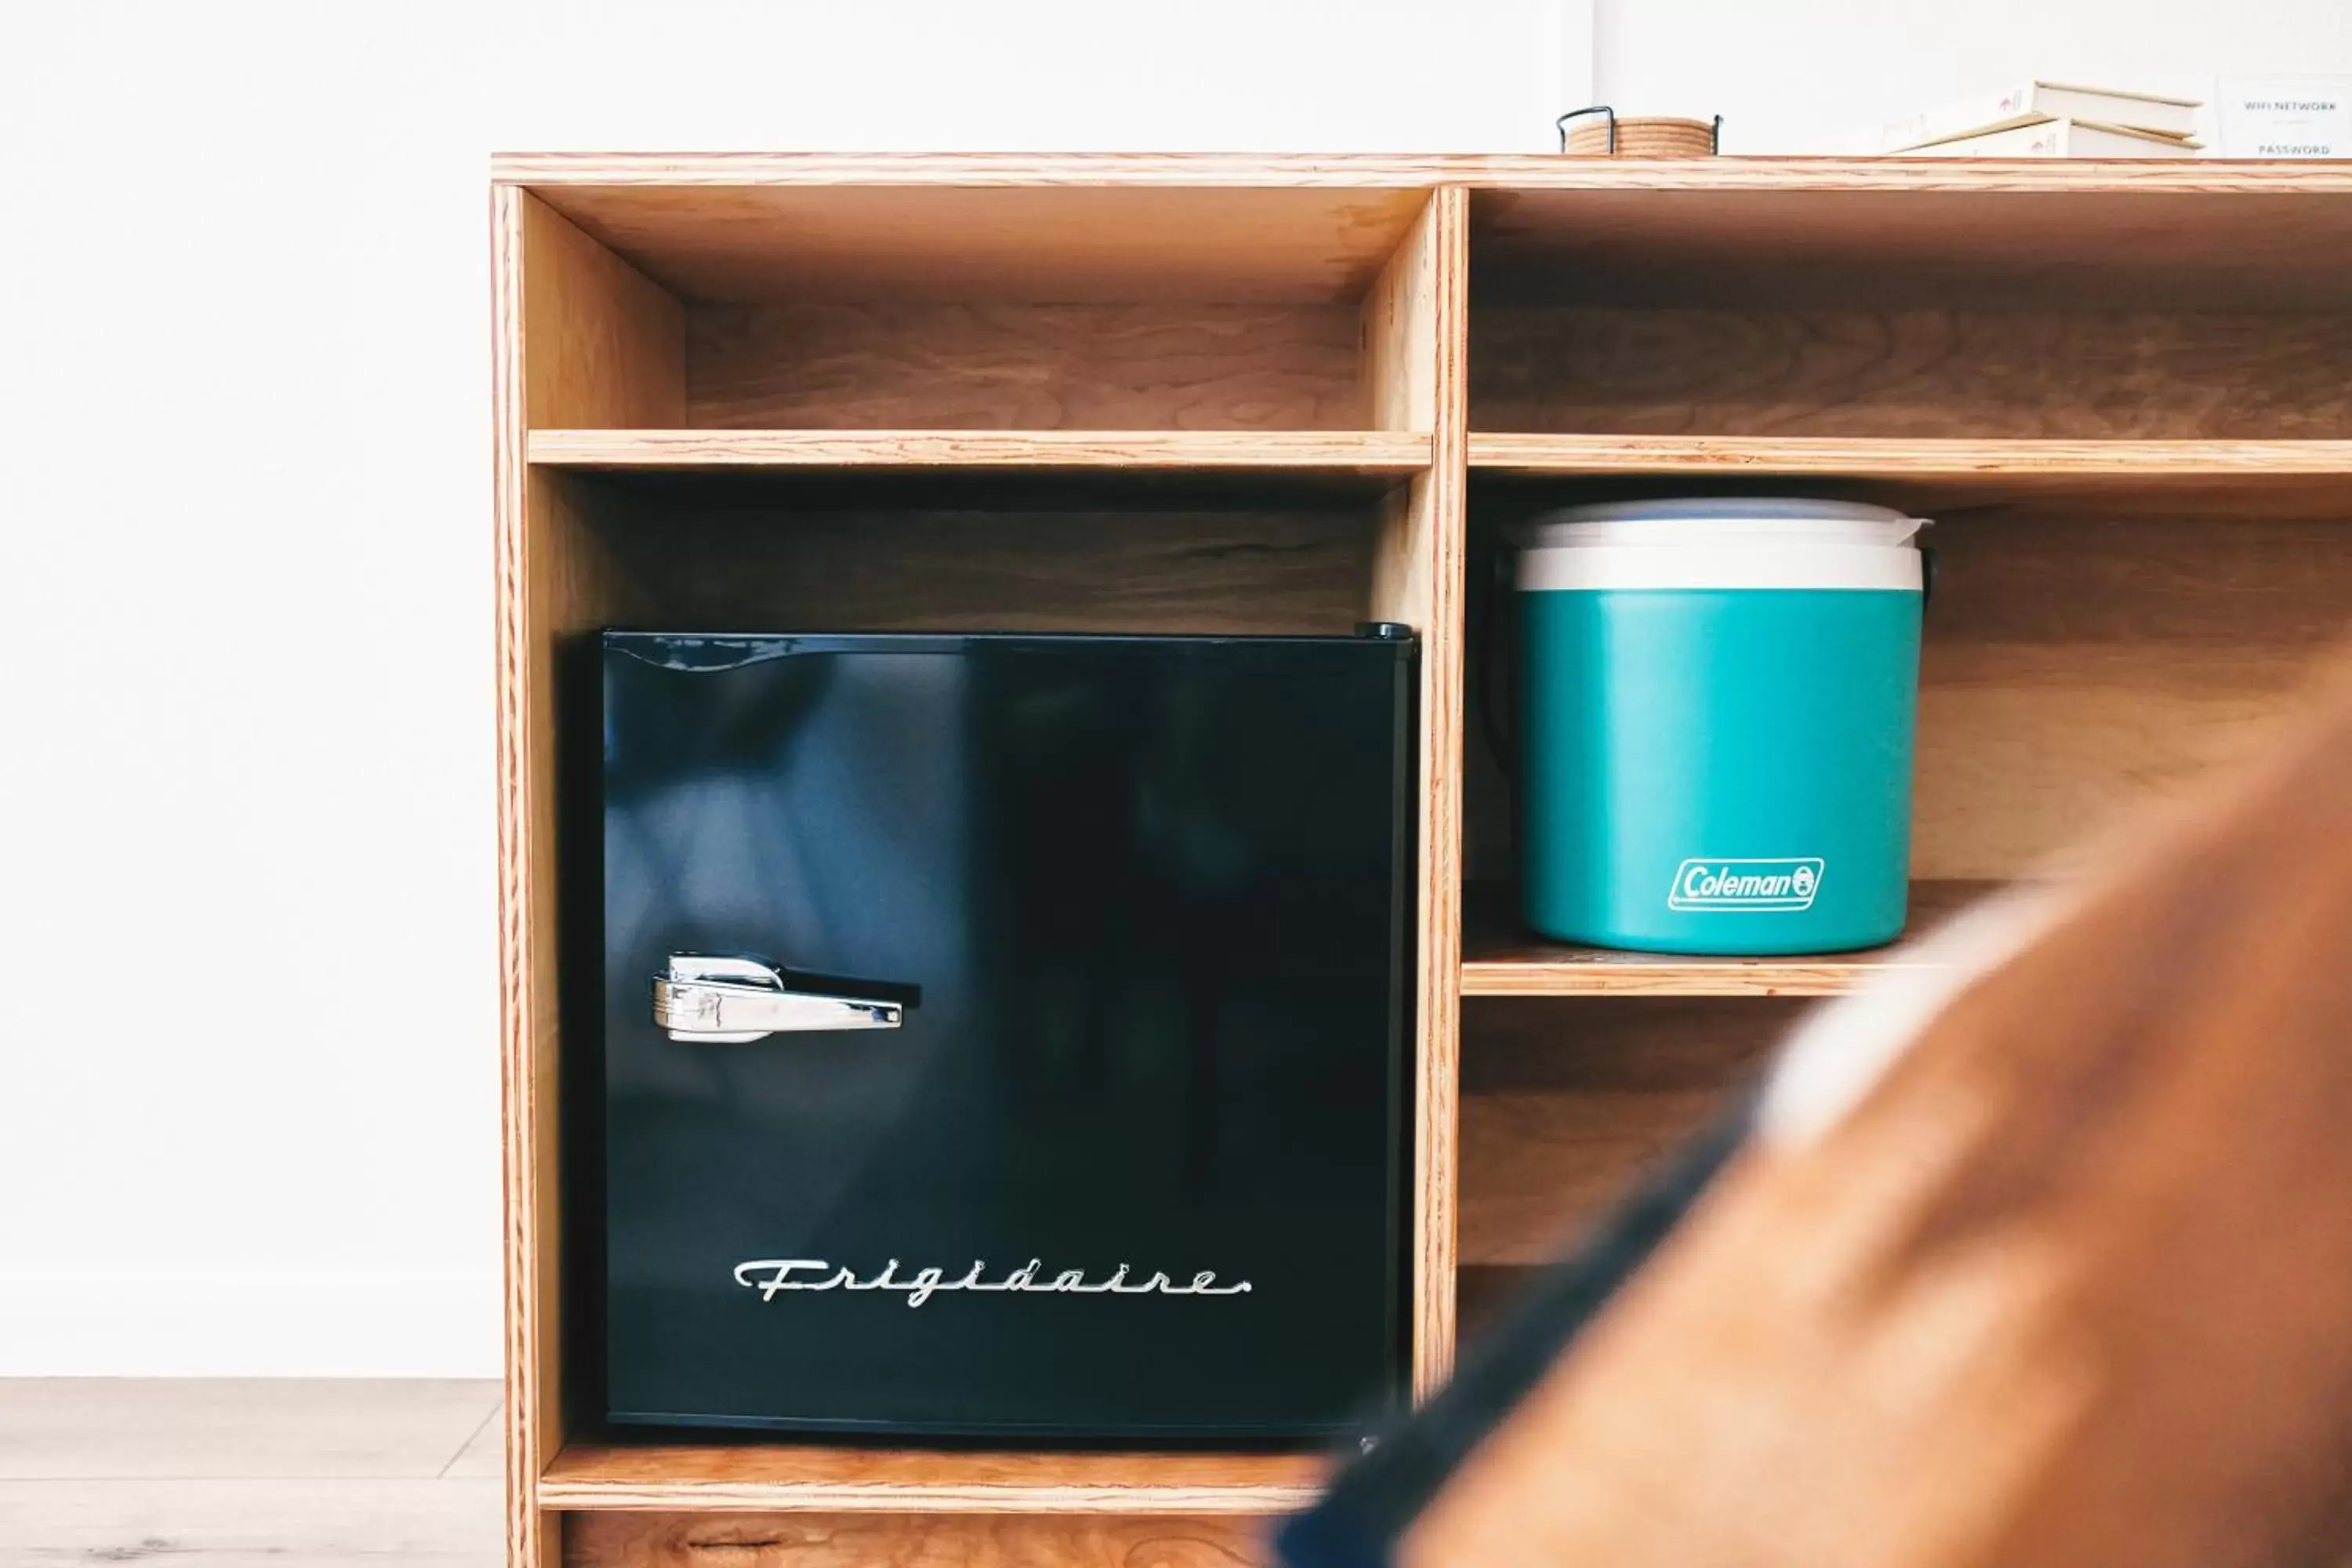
[[729, 1001]]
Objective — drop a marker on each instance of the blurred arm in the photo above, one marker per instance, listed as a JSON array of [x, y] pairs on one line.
[[2069, 1283]]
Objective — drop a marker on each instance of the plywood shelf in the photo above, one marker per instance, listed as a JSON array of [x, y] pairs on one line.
[[1364, 453], [2105, 478], [836, 1479], [1500, 958], [1925, 464]]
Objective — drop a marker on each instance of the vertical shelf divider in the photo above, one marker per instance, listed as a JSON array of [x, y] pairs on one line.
[[583, 338], [1416, 332]]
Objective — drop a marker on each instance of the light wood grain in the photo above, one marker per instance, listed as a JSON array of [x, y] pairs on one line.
[[1046, 242], [716, 558], [981, 171], [605, 346], [982, 364], [577, 337], [2113, 614], [816, 1478], [1566, 1105], [1501, 958], [1961, 468], [1399, 329], [1893, 236], [1803, 177], [1417, 334], [1366, 453], [532, 1405], [1221, 227], [2074, 668], [1481, 171], [883, 1541], [250, 1428], [1930, 373]]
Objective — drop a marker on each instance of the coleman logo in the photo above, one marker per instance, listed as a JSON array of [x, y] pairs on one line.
[[771, 1276], [1746, 885]]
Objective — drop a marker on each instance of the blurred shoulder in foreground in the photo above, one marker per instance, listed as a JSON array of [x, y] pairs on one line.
[[2047, 1261]]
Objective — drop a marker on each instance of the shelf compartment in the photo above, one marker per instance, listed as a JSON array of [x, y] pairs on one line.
[[824, 1479], [2085, 655], [1565, 1108], [1501, 958], [800, 550], [1929, 313], [1094, 308], [1363, 453]]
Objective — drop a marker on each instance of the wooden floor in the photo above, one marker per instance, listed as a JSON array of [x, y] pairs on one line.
[[250, 1473]]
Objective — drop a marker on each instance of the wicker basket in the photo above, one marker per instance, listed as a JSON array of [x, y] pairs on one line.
[[1649, 136]]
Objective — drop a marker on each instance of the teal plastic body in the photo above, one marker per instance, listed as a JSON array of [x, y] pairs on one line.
[[1717, 771]]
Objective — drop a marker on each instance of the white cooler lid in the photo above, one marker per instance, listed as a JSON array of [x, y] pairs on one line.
[[1720, 541], [1694, 519]]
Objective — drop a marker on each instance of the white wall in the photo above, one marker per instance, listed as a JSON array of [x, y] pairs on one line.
[[247, 1057], [247, 1078], [1792, 76]]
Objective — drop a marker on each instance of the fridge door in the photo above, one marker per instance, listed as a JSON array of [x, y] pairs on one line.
[[1004, 1035]]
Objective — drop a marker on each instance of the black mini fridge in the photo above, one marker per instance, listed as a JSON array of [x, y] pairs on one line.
[[1003, 1036]]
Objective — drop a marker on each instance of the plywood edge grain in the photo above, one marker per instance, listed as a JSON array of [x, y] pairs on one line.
[[1500, 958], [1399, 453], [1537, 454], [1373, 170], [1590, 972], [853, 1480], [529, 1403], [1541, 171], [1441, 1082], [1419, 580], [602, 343], [1408, 171], [586, 1497]]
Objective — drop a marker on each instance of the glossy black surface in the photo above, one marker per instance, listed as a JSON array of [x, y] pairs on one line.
[[1155, 894]]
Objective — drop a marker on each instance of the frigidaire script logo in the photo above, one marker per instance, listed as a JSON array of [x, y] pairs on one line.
[[772, 1275], [1745, 885]]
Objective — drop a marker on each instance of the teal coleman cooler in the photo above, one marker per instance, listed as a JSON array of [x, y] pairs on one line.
[[1718, 700]]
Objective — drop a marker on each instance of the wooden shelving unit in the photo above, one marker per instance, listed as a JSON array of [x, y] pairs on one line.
[[1145, 393]]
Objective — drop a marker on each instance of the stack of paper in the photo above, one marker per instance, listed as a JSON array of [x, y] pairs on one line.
[[2047, 120]]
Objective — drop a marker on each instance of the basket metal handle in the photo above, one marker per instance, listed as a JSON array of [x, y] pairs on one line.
[[1561, 124]]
